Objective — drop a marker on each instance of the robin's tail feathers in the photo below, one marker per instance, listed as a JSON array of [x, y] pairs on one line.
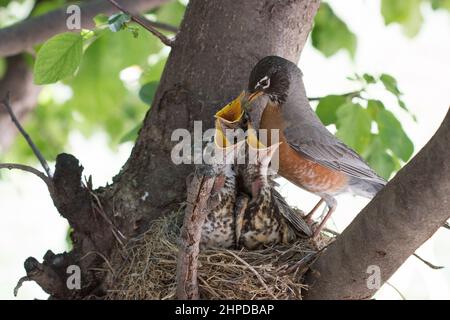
[[365, 188]]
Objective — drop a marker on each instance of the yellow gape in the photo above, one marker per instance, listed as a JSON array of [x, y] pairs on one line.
[[231, 115]]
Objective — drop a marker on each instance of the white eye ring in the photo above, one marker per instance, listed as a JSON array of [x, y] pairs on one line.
[[264, 83]]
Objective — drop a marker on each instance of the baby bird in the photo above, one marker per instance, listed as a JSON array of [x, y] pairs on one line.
[[218, 230], [268, 219]]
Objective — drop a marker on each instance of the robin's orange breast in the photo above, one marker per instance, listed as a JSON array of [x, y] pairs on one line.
[[296, 168]]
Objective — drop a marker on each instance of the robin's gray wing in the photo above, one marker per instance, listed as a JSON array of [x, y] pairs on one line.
[[307, 134], [319, 145], [291, 215]]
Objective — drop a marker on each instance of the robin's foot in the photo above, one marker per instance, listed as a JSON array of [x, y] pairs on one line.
[[324, 221], [308, 217]]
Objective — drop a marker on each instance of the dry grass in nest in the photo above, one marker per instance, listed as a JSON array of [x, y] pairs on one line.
[[149, 269]]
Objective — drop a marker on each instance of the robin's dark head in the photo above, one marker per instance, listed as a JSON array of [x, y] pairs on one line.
[[271, 76]]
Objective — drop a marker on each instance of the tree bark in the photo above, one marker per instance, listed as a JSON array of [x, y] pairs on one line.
[[218, 44], [406, 213]]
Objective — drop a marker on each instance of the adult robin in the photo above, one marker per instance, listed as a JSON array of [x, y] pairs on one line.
[[310, 156]]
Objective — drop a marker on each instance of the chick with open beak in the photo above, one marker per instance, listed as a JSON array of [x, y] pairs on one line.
[[267, 219], [218, 230]]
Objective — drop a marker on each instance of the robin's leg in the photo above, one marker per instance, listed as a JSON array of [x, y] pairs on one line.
[[308, 217], [332, 204]]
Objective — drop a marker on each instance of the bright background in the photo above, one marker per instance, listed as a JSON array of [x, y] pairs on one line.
[[30, 224]]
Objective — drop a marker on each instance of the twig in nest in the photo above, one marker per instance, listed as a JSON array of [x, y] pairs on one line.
[[429, 264], [144, 23], [99, 208], [254, 272], [32, 170], [196, 210], [5, 102]]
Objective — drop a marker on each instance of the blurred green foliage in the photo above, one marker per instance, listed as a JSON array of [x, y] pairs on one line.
[[107, 79], [330, 34], [408, 13], [367, 126], [93, 95]]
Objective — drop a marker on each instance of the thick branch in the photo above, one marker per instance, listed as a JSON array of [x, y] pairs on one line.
[[405, 214], [26, 34]]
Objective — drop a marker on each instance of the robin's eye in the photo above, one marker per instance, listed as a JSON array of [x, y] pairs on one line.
[[264, 83]]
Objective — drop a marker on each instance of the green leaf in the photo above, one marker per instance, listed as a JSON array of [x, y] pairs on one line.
[[405, 12], [327, 108], [440, 4], [354, 125], [147, 92], [101, 19], [369, 78], [383, 163], [330, 34], [118, 21], [58, 58], [2, 67], [373, 107], [42, 7], [131, 135], [392, 135], [390, 84]]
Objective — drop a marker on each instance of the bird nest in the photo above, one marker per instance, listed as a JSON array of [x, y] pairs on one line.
[[148, 267]]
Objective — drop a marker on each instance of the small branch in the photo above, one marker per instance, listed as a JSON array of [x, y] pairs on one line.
[[20, 283], [144, 23], [352, 94], [446, 226], [30, 142], [32, 170], [196, 210], [163, 26], [396, 290], [429, 264]]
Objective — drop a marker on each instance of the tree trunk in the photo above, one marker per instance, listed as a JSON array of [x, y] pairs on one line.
[[405, 214], [218, 44]]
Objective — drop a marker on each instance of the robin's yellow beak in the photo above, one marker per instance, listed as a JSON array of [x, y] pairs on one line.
[[229, 116], [233, 111], [219, 137]]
